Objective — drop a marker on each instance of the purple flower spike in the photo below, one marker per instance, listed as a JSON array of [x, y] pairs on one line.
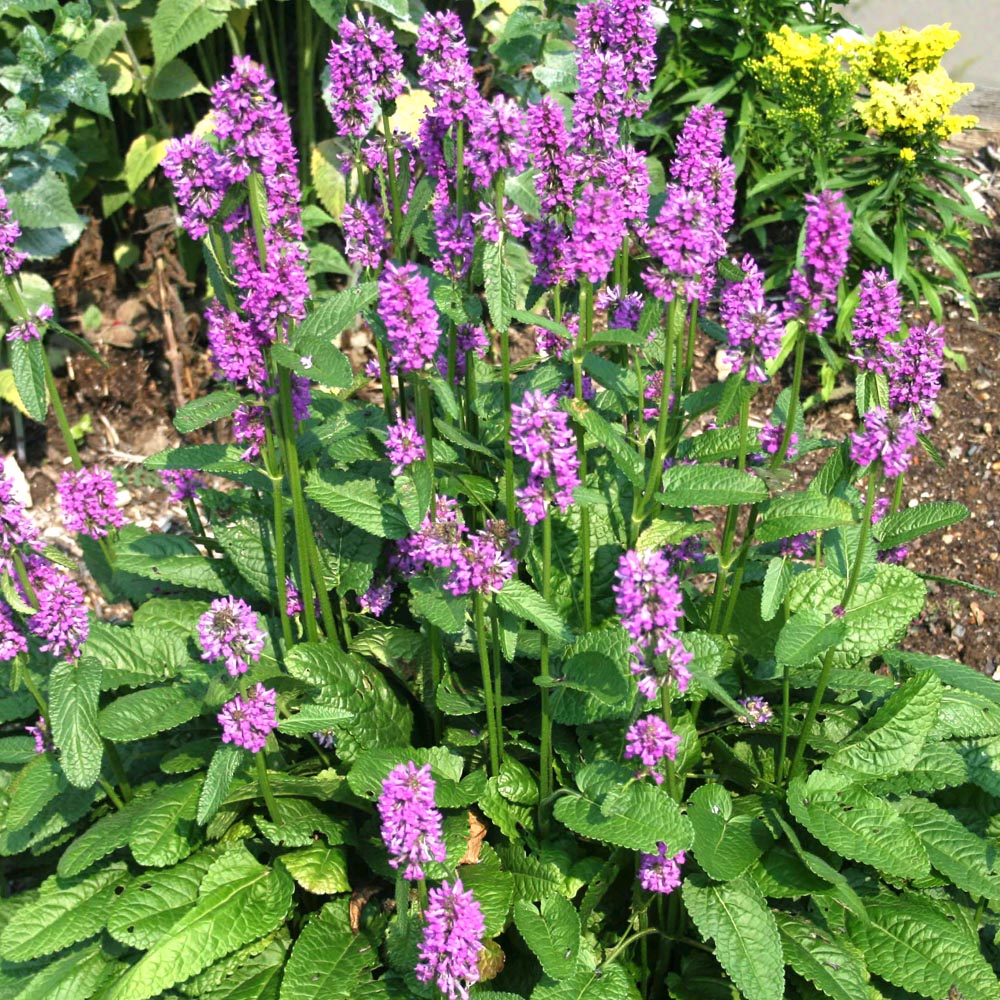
[[12, 641], [404, 445], [16, 528], [650, 739], [183, 484], [410, 317], [377, 598], [230, 631], [87, 501], [754, 327], [40, 732], [61, 620], [916, 368], [757, 712], [200, 181], [886, 436], [411, 823], [246, 723], [486, 562], [10, 232], [449, 951], [876, 320], [661, 872], [27, 329], [365, 242]]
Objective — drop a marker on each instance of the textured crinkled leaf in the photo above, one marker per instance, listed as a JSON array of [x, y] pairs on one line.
[[724, 844], [832, 964], [736, 918], [73, 976], [709, 485], [612, 437], [373, 766], [175, 80], [302, 822], [313, 718], [358, 501], [956, 675], [256, 977], [777, 580], [179, 24], [135, 657], [33, 788], [240, 901], [517, 783], [534, 879], [856, 824], [609, 982], [806, 635], [781, 874], [909, 941], [912, 522], [146, 713], [206, 410], [795, 515], [164, 829], [891, 741], [499, 284], [939, 765], [964, 715], [186, 568], [508, 816], [335, 313], [553, 935], [66, 911], [522, 600], [249, 544], [432, 604], [74, 691], [152, 903], [879, 613], [27, 362], [636, 816], [492, 888], [224, 764], [574, 704], [380, 716], [328, 960], [319, 868], [954, 850]]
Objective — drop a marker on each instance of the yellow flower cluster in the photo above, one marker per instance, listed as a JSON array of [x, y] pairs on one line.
[[919, 107], [894, 56], [811, 79]]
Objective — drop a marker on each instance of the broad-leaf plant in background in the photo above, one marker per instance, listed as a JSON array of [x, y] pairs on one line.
[[516, 664]]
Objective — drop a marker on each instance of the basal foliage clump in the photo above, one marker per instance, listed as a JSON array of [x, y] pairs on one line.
[[516, 664]]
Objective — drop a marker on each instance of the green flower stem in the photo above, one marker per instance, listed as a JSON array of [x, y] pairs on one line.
[[384, 378], [265, 786], [278, 509], [666, 712], [484, 663], [114, 759], [459, 167], [508, 453], [425, 420], [584, 334], [779, 764], [303, 526], [325, 605], [61, 420], [692, 336], [497, 671], [21, 675], [109, 790], [307, 104], [897, 493], [659, 451], [390, 161], [793, 402], [545, 758], [852, 584]]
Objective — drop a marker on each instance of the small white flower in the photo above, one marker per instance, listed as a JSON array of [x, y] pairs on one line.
[[306, 362]]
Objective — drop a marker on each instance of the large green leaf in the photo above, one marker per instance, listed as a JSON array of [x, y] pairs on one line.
[[801, 512], [609, 982], [912, 522], [806, 635], [199, 412], [736, 918], [66, 911], [954, 850], [335, 313], [179, 24], [492, 888], [500, 286], [150, 905], [380, 716], [329, 960], [32, 789], [525, 601], [878, 614], [358, 501], [553, 935], [164, 829], [597, 681], [133, 657], [107, 834], [225, 762], [27, 362], [612, 437], [74, 690], [240, 901], [145, 713], [724, 844], [255, 977], [73, 976], [615, 811], [534, 878], [249, 544], [910, 942], [709, 485], [829, 962], [964, 715], [856, 824], [893, 738], [319, 868]]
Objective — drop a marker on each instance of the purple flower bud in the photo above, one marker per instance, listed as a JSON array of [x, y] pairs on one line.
[[12, 641], [183, 484], [87, 499], [61, 619], [377, 599], [40, 732], [915, 369], [886, 436], [876, 320], [230, 631], [754, 327], [661, 872], [365, 242], [650, 739], [404, 445], [246, 722]]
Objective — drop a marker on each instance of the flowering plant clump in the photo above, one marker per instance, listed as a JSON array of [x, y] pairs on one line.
[[548, 674]]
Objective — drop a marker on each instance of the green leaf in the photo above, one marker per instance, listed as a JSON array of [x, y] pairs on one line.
[[164, 829], [300, 823], [956, 675], [708, 486], [558, 73], [805, 635], [313, 718], [517, 783], [319, 868], [249, 544], [379, 716], [856, 824], [609, 982], [240, 902], [795, 515], [66, 911], [27, 361], [74, 976], [358, 501], [609, 809], [597, 681], [199, 412], [910, 942], [912, 522], [146, 713], [74, 690], [335, 313], [612, 437], [534, 878], [108, 834], [150, 905], [134, 656], [142, 158], [725, 845], [328, 178], [525, 601], [492, 889], [257, 977], [175, 80], [33, 788], [553, 935], [399, 9], [736, 918], [431, 603], [831, 964], [777, 581], [178, 24], [224, 765], [962, 856], [891, 741], [501, 289], [328, 960], [963, 715]]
